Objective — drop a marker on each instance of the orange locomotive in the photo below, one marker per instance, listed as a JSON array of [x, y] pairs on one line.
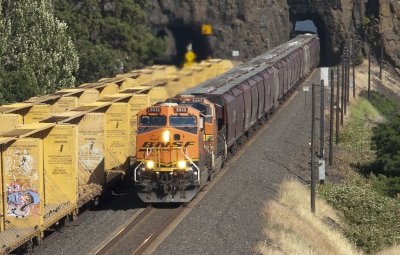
[[176, 148]]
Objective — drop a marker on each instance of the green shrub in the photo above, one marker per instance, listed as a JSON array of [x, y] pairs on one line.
[[386, 143], [10, 92], [111, 36], [373, 220], [386, 186], [359, 59], [385, 105]]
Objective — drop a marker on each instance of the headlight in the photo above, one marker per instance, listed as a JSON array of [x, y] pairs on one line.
[[181, 164], [150, 164], [165, 136]]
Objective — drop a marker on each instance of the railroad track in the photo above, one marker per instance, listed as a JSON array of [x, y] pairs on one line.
[[150, 241], [142, 241]]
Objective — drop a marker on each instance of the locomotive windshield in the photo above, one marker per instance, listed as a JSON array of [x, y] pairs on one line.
[[153, 121], [182, 121]]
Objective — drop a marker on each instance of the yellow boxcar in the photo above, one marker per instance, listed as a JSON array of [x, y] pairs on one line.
[[158, 94], [37, 113], [174, 85], [91, 175], [186, 78], [140, 100], [164, 69], [108, 89], [64, 104], [88, 96], [60, 172], [23, 183], [198, 73], [209, 70], [129, 83], [117, 140], [10, 121]]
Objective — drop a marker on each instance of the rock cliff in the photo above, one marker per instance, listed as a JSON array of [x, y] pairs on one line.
[[252, 26]]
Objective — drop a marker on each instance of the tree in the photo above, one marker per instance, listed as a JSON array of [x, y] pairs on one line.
[[386, 142], [37, 55], [111, 36]]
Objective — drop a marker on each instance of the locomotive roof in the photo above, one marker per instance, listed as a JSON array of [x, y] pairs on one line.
[[237, 75]]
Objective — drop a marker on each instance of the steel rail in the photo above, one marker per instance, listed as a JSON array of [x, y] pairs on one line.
[[155, 234], [122, 232]]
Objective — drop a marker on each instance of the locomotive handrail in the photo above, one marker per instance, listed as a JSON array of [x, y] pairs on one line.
[[191, 162], [146, 156]]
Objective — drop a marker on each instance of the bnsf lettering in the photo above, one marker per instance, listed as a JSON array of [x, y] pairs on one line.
[[165, 145]]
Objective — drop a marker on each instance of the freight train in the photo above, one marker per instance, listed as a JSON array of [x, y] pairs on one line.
[[182, 142], [80, 148]]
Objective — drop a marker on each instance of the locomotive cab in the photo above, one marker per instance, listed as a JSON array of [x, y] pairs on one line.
[[175, 150]]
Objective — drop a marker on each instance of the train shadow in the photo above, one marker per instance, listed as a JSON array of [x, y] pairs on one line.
[[122, 196]]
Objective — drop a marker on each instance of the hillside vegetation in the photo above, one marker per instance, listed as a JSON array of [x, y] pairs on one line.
[[360, 215], [46, 45], [369, 155], [291, 228], [110, 36], [36, 54]]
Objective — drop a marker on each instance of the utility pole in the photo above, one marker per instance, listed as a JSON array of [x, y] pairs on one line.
[[369, 71], [381, 62], [331, 118], [344, 110], [312, 149], [348, 74], [337, 103], [354, 72], [322, 121]]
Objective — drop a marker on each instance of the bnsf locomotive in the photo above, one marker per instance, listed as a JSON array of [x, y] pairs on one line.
[[183, 142]]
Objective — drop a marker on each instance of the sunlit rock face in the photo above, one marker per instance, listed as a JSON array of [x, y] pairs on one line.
[[253, 26]]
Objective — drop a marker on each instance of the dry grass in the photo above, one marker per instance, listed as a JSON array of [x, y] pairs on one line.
[[293, 229], [388, 80], [395, 250]]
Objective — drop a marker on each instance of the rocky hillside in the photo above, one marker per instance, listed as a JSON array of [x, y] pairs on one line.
[[252, 26]]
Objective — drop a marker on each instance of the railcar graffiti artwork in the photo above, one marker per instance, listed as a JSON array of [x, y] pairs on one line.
[[22, 200], [19, 162]]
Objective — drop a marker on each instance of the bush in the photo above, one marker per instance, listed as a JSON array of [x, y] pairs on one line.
[[386, 186], [36, 56], [373, 220], [111, 36], [359, 59], [10, 92], [387, 106], [385, 139], [386, 143]]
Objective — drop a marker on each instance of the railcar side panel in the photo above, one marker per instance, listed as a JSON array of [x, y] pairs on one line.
[[240, 108], [230, 118], [285, 72], [307, 59], [301, 63], [245, 87], [254, 101], [281, 73], [261, 89], [275, 85]]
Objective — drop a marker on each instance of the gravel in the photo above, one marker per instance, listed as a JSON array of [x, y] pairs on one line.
[[94, 226], [229, 219]]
